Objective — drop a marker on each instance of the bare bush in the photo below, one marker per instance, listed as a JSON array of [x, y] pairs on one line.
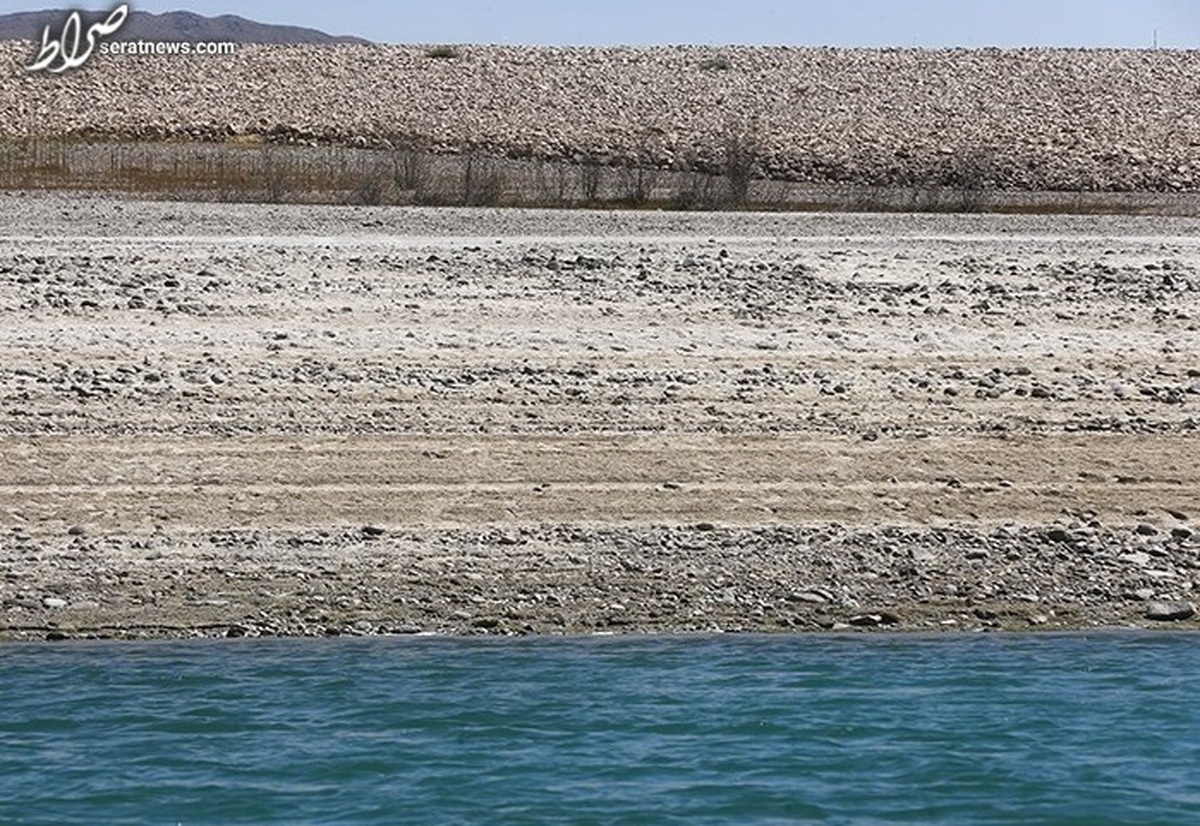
[[591, 172], [971, 173], [638, 178], [638, 182], [741, 151], [770, 193], [716, 63], [552, 182], [482, 180], [275, 173], [443, 52], [695, 188], [412, 172], [410, 168], [371, 187]]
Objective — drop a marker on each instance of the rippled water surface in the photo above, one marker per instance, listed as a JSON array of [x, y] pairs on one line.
[[1056, 729]]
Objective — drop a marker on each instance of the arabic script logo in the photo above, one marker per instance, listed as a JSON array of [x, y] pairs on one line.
[[67, 46]]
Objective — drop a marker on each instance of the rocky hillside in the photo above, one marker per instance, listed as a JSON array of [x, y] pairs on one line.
[[1010, 119]]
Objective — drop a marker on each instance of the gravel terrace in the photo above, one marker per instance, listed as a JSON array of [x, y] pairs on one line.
[[237, 420]]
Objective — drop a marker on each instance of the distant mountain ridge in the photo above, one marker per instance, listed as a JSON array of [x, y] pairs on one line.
[[182, 26]]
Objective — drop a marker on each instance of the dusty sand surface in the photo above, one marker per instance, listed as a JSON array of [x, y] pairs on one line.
[[239, 420]]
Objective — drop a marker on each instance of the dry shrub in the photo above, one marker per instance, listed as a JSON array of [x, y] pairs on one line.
[[483, 182], [741, 160]]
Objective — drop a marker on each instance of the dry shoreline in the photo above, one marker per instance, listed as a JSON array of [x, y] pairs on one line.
[[570, 580], [256, 420]]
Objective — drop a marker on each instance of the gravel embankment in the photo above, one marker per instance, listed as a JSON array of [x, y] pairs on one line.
[[579, 579], [237, 419], [1036, 119]]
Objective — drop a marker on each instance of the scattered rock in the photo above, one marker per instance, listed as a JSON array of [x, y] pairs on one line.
[[1169, 611], [868, 620], [759, 570]]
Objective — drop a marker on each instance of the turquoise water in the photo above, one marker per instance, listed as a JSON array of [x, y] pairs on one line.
[[1080, 729]]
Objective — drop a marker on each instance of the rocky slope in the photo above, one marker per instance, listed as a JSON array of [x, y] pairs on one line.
[[1018, 119]]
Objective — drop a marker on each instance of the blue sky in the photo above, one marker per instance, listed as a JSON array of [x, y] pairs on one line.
[[930, 23]]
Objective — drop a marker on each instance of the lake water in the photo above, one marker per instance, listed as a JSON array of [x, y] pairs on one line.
[[1081, 728]]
